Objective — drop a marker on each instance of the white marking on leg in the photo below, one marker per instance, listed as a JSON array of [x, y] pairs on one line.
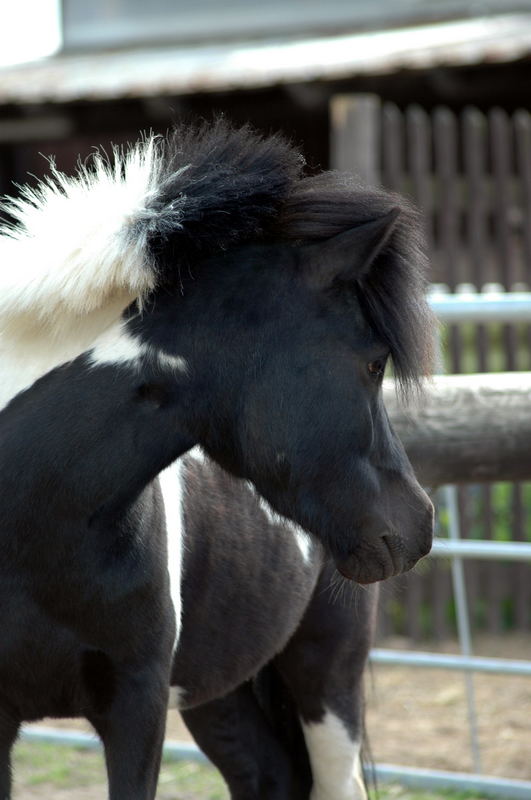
[[171, 484], [335, 760]]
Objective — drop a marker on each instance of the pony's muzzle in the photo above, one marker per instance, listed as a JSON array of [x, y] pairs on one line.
[[388, 553]]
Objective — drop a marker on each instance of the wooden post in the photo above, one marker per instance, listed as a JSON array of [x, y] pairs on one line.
[[355, 136], [467, 428]]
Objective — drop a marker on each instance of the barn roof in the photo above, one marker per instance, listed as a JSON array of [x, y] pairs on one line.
[[226, 66]]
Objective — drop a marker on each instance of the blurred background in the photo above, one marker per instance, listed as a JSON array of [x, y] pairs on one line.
[[431, 98]]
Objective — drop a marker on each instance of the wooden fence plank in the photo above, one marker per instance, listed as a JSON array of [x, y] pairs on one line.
[[418, 127], [474, 131], [355, 136], [522, 127], [520, 573], [440, 586], [502, 196], [393, 148], [445, 148]]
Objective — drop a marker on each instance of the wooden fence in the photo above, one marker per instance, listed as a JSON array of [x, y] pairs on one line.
[[470, 173]]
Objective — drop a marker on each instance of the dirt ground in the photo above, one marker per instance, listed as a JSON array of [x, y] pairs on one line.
[[418, 717]]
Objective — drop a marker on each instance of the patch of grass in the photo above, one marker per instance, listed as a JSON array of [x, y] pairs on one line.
[[46, 769], [396, 792], [64, 767]]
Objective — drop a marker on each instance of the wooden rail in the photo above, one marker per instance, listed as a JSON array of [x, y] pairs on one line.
[[467, 428]]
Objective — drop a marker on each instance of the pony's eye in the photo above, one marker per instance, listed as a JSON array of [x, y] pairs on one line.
[[376, 368]]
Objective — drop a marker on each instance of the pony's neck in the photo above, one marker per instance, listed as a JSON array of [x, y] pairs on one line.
[[82, 446]]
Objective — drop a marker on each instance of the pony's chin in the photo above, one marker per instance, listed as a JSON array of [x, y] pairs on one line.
[[363, 574], [386, 561]]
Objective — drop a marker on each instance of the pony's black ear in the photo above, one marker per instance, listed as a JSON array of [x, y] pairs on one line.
[[348, 256]]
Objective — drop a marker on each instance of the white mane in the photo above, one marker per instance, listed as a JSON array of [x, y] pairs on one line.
[[72, 260]]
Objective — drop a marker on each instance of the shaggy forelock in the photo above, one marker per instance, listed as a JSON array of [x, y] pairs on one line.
[[393, 293]]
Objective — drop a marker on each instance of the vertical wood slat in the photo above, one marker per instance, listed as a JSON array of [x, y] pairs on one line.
[[418, 127], [474, 132], [413, 604], [503, 157], [441, 590], [500, 131], [384, 625], [393, 148], [445, 149], [492, 579], [521, 585], [522, 130], [355, 136], [418, 130], [394, 177], [440, 594], [500, 136]]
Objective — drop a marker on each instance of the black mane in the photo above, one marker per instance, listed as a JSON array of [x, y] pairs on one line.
[[393, 293], [217, 186]]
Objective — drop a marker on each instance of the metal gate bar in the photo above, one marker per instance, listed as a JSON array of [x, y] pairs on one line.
[[496, 666], [491, 786], [480, 548]]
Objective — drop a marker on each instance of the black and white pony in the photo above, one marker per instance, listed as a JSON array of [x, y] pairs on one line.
[[272, 648], [196, 292]]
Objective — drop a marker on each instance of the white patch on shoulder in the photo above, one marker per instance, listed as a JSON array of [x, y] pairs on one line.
[[117, 346], [171, 484], [335, 760], [302, 538], [28, 350]]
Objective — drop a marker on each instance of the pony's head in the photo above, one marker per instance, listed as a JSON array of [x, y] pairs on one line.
[[283, 339], [273, 306]]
